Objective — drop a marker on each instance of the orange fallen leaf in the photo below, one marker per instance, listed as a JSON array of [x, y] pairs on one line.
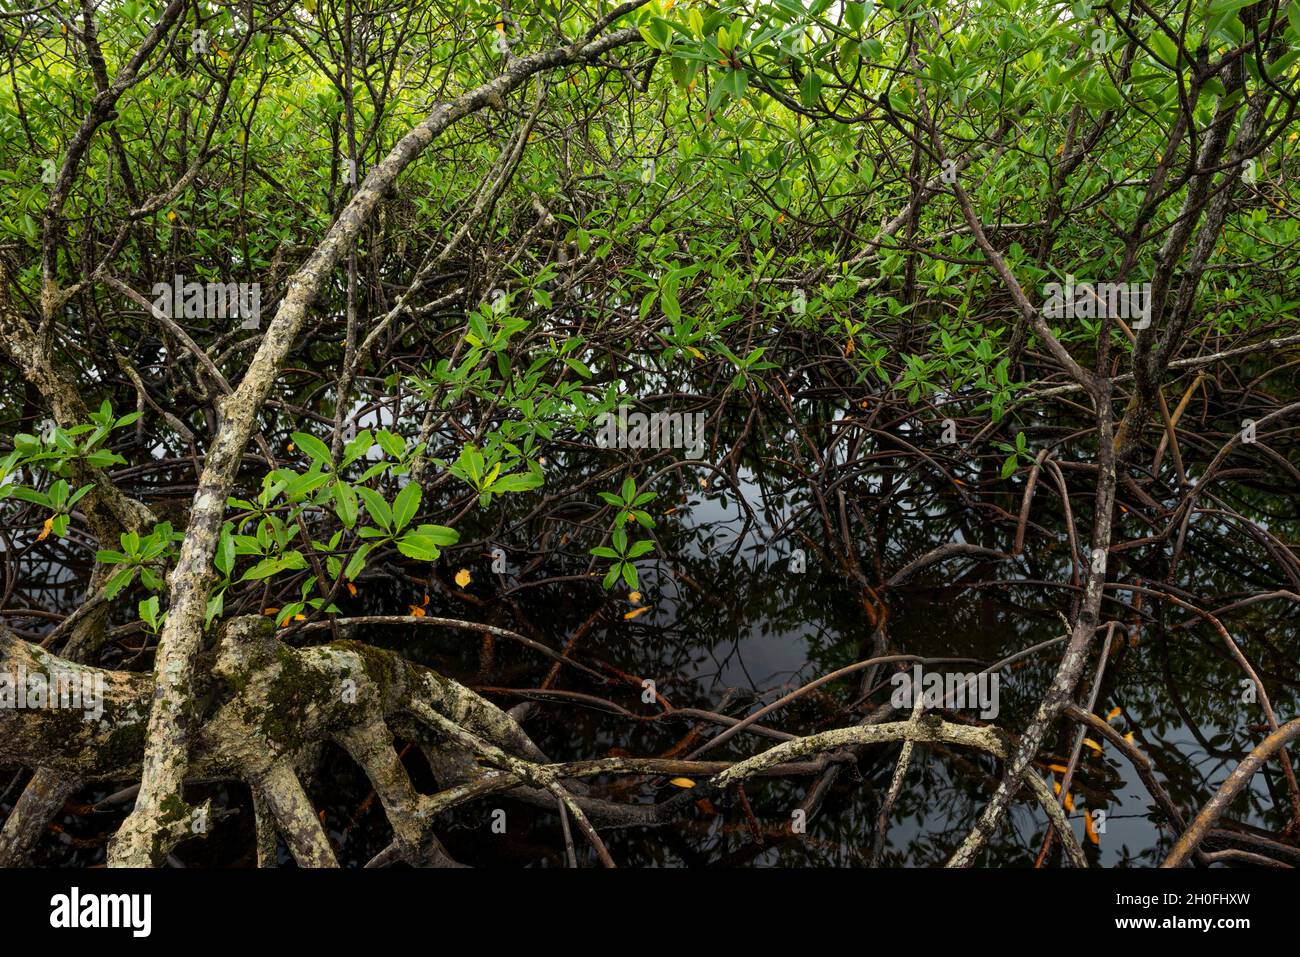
[[1092, 744], [270, 611], [463, 577], [1112, 714], [682, 782], [417, 611], [636, 611], [352, 589], [634, 596], [1090, 830]]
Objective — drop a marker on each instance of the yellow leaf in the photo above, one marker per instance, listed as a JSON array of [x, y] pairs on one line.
[[269, 611], [462, 577], [682, 782], [1129, 737], [290, 446], [1092, 744], [634, 596], [417, 611], [171, 216], [1059, 768], [45, 530], [636, 611], [1112, 714], [1090, 830], [352, 589]]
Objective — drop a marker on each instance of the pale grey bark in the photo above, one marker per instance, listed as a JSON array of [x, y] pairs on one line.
[[166, 756]]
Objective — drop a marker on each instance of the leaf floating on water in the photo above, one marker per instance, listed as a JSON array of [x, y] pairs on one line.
[[1113, 714], [1092, 744], [463, 577], [634, 597], [636, 611], [417, 611], [1090, 830]]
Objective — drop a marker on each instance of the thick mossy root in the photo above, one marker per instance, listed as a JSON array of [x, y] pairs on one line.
[[261, 709]]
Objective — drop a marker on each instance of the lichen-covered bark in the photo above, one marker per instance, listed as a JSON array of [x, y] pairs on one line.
[[1082, 640], [268, 706], [108, 510], [166, 756]]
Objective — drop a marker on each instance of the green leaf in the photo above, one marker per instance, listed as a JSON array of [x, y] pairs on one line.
[[148, 609], [345, 503], [357, 562], [406, 505], [639, 548], [376, 506], [118, 582], [420, 547], [393, 445], [810, 88], [1165, 48], [517, 482], [215, 605], [316, 449], [225, 557]]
